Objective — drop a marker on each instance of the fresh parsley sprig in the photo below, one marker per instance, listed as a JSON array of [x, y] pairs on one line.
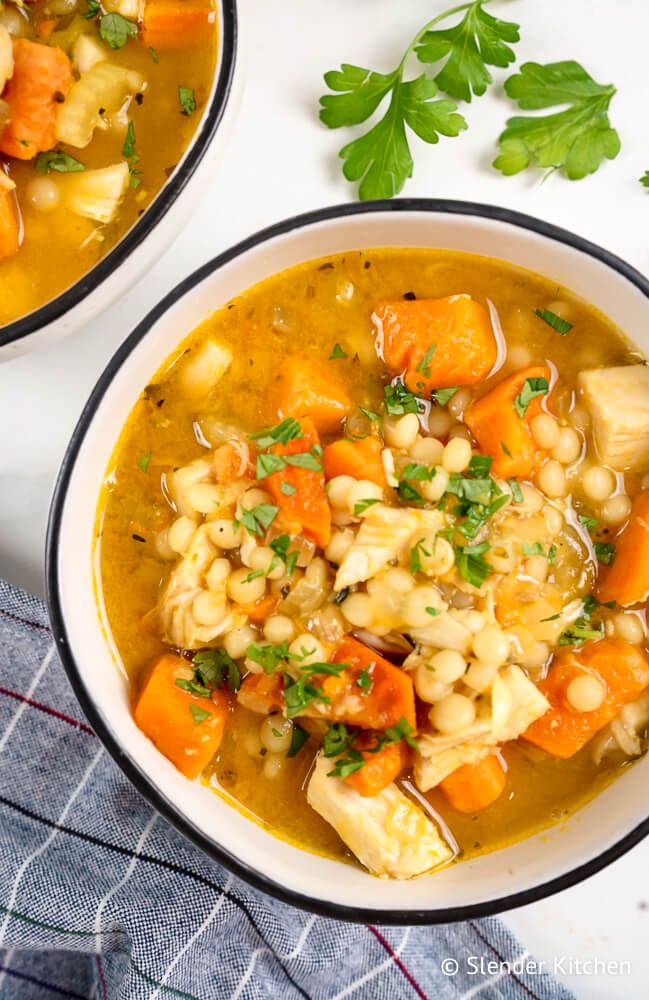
[[381, 159], [574, 140]]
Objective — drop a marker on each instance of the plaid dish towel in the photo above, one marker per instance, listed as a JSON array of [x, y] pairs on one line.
[[100, 897]]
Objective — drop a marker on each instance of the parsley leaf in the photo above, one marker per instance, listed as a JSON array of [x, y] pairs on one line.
[[399, 400], [588, 522], [471, 565], [299, 737], [605, 552], [402, 731], [128, 149], [144, 460], [478, 41], [268, 464], [214, 666], [365, 682], [415, 556], [370, 414], [199, 714], [288, 430], [579, 632], [280, 548], [532, 387], [116, 30], [442, 396], [362, 505], [187, 99], [267, 655], [59, 162], [424, 364], [287, 489], [575, 140], [258, 519], [517, 493], [420, 473], [337, 352], [533, 549], [304, 460], [93, 8], [336, 740], [380, 158], [562, 326], [345, 766]]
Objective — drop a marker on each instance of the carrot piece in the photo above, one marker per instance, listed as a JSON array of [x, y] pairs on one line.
[[627, 579], [306, 508], [262, 693], [307, 388], [381, 766], [175, 25], [42, 76], [473, 787], [623, 670], [261, 609], [186, 728], [440, 342], [388, 700], [360, 459], [499, 429], [10, 224]]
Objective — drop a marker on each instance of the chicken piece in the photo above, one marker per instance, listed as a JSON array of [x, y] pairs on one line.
[[625, 733], [618, 400], [187, 581], [446, 631], [389, 834], [385, 533], [515, 704]]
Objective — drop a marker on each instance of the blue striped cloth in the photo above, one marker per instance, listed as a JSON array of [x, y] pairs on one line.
[[100, 897]]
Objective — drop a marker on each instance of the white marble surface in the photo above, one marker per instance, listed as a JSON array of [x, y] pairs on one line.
[[280, 162]]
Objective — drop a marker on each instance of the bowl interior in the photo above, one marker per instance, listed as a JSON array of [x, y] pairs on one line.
[[139, 246], [510, 876]]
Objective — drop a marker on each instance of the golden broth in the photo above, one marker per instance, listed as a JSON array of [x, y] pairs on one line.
[[59, 247], [309, 309]]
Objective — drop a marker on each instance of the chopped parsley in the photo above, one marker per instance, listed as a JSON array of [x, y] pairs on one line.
[[199, 714], [442, 396], [408, 493], [532, 387], [116, 30], [402, 731], [424, 364], [299, 737], [364, 681], [288, 430], [336, 740], [345, 766], [420, 473], [433, 612], [415, 556], [214, 666], [399, 400], [590, 523], [267, 655], [280, 548], [605, 552], [362, 505], [144, 460], [562, 326], [517, 493], [580, 632], [59, 162], [337, 352], [258, 519], [268, 464], [370, 414], [533, 549], [187, 100], [287, 489], [471, 564]]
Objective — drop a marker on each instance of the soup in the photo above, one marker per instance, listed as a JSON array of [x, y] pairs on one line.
[[373, 551], [97, 106]]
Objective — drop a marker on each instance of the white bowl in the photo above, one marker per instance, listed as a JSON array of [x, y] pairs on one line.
[[560, 856], [150, 236]]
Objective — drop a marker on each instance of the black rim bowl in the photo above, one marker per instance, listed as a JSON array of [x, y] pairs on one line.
[[92, 279], [129, 766]]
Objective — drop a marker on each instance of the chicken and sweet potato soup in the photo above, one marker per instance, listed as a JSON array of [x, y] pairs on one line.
[[98, 102], [374, 553]]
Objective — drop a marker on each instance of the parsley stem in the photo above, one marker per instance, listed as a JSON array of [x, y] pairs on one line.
[[427, 27]]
